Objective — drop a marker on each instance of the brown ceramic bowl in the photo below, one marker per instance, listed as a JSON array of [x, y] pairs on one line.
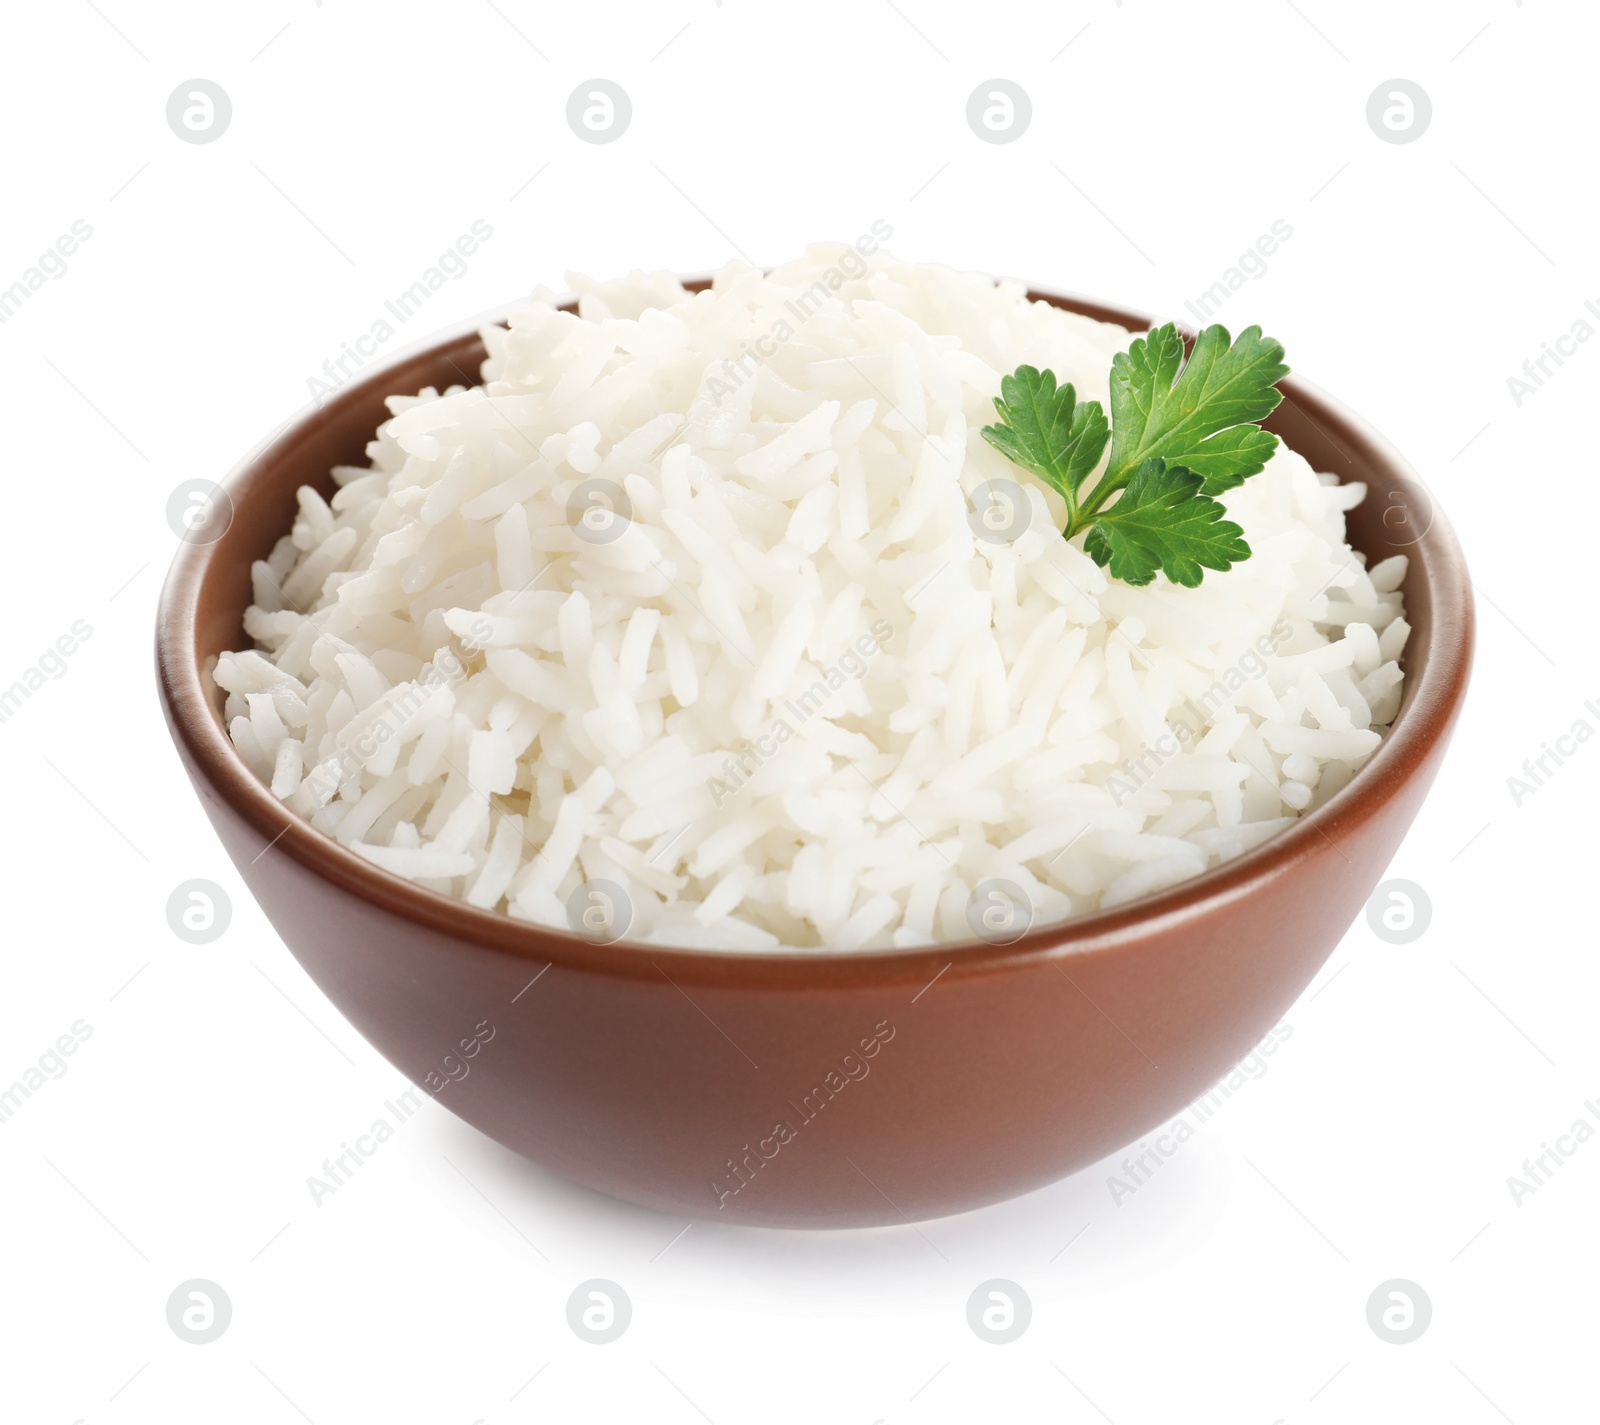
[[814, 1089]]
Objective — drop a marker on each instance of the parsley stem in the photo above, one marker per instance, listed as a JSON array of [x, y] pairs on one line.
[[1099, 495]]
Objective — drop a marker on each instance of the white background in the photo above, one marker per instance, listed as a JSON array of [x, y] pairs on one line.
[[1166, 137]]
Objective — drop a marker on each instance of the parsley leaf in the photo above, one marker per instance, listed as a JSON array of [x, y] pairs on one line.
[[1181, 432], [1048, 430], [1164, 522], [1195, 414]]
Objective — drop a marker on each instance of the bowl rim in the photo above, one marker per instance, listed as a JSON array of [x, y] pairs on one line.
[[1432, 701]]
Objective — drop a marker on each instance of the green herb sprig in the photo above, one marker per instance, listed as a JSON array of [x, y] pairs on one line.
[[1180, 434]]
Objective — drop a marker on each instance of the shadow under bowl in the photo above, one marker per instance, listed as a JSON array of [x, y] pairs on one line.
[[813, 1088]]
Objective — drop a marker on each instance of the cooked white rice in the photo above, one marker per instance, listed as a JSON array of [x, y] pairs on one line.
[[795, 700]]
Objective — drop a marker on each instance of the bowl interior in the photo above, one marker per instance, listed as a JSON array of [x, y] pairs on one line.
[[209, 590]]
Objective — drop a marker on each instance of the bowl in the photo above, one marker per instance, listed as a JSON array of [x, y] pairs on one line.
[[813, 1088]]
